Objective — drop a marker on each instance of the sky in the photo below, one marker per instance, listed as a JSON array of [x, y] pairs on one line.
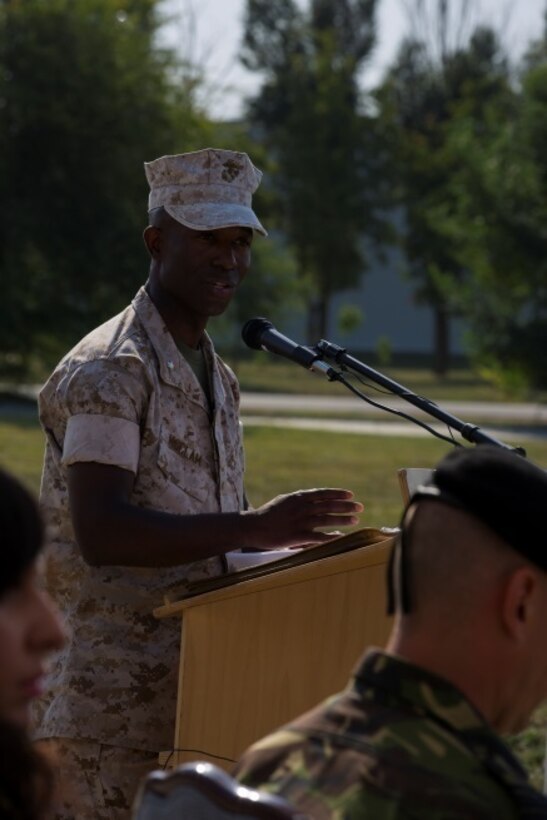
[[211, 29]]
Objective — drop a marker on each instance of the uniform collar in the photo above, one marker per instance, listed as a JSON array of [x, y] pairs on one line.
[[426, 693], [173, 367]]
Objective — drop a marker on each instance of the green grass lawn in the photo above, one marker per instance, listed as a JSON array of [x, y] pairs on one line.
[[22, 445], [281, 460]]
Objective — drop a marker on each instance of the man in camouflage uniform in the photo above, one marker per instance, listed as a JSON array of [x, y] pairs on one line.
[[143, 483], [414, 734]]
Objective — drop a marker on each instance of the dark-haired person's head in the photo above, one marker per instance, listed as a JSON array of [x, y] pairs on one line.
[[30, 628], [21, 527]]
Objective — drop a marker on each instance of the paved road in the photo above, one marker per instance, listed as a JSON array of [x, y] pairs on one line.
[[379, 428], [525, 413], [495, 419]]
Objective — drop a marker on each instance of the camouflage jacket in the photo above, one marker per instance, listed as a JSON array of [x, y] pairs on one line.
[[398, 743], [125, 396]]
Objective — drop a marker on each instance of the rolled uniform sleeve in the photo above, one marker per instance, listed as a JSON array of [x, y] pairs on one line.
[[105, 404], [104, 439]]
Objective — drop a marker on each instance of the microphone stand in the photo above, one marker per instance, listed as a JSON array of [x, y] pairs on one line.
[[470, 432]]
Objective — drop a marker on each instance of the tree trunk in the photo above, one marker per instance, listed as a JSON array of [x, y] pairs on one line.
[[441, 351], [317, 323]]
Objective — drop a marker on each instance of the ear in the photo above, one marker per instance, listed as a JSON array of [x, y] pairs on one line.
[[152, 240], [520, 602]]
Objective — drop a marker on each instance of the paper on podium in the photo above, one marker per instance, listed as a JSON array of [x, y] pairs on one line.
[[236, 561], [264, 563]]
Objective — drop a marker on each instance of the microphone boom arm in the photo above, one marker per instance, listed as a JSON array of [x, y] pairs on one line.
[[469, 432]]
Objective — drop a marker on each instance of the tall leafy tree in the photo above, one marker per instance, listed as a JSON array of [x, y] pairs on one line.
[[85, 96], [309, 114], [437, 72], [498, 223], [537, 50]]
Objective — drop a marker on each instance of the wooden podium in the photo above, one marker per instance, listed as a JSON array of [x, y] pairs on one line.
[[258, 652]]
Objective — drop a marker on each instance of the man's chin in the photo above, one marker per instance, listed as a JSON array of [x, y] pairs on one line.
[[218, 308]]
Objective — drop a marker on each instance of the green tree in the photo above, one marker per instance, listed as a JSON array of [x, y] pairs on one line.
[[429, 82], [498, 223], [309, 114], [85, 97], [537, 50]]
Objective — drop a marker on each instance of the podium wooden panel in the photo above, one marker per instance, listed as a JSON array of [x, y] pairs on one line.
[[258, 653]]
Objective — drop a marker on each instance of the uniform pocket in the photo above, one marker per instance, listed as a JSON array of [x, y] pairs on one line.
[[182, 467]]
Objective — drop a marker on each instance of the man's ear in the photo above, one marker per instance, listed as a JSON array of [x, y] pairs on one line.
[[152, 240], [520, 602]]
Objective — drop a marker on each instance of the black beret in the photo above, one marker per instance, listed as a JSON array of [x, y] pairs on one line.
[[496, 485], [503, 489]]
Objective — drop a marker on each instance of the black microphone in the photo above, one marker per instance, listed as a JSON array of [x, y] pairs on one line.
[[260, 334]]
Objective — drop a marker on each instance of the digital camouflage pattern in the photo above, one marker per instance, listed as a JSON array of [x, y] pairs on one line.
[[97, 782], [398, 743], [125, 396]]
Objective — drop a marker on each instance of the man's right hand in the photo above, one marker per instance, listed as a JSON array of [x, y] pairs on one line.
[[293, 520]]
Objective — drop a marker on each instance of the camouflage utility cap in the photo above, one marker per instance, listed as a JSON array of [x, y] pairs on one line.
[[205, 190]]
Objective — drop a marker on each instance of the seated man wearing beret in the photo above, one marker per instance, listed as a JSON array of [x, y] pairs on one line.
[[415, 734]]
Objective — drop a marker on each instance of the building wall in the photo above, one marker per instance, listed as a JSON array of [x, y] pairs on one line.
[[390, 312]]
